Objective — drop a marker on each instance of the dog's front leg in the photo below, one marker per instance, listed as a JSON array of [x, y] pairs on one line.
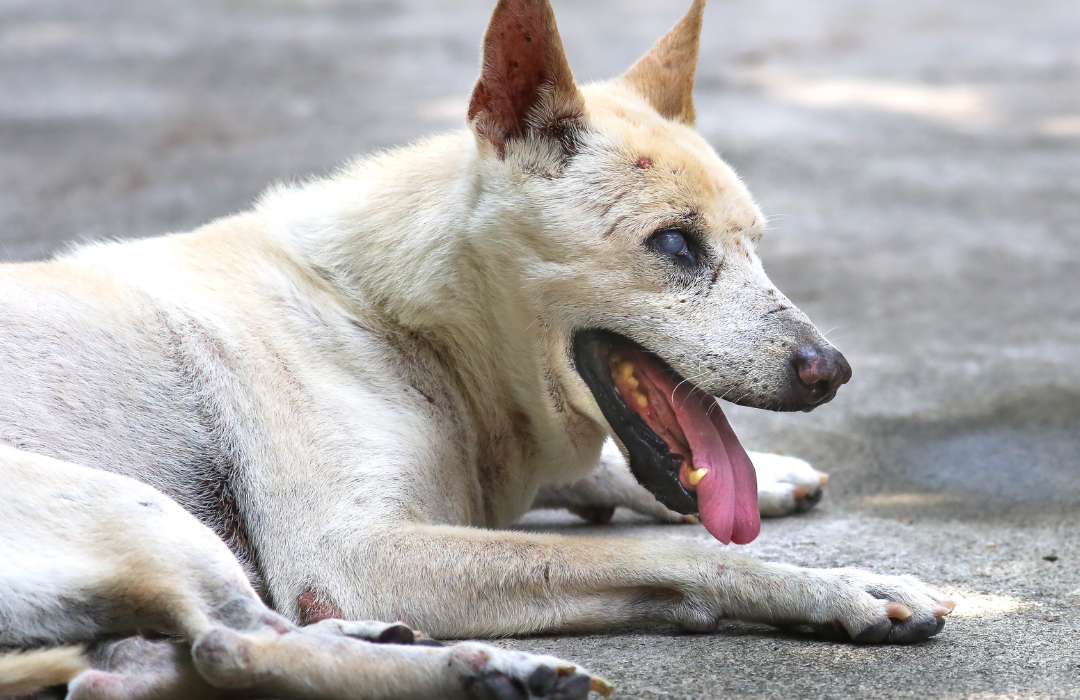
[[465, 582], [607, 487], [786, 485]]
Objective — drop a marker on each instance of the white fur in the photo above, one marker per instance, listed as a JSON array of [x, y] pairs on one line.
[[356, 384]]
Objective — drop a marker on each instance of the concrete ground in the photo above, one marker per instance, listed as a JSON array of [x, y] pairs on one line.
[[920, 160]]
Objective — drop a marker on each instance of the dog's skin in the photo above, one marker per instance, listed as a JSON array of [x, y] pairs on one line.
[[355, 384]]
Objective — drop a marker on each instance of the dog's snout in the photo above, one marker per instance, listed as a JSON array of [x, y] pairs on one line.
[[819, 372]]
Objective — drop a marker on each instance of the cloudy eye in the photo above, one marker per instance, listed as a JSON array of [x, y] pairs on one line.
[[673, 243]]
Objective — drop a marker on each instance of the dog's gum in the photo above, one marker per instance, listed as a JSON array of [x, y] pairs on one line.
[[696, 475]]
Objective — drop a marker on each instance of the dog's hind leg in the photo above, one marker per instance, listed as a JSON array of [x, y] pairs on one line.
[[786, 485], [86, 554], [136, 667]]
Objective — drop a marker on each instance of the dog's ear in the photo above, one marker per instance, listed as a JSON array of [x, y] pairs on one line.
[[665, 75], [525, 83]]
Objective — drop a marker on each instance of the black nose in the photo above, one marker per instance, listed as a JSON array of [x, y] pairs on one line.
[[819, 372]]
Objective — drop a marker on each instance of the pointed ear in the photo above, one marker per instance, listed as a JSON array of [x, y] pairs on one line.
[[665, 75], [525, 84]]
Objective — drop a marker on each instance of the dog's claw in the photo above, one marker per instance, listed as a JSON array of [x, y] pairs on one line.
[[601, 686], [943, 608], [899, 611]]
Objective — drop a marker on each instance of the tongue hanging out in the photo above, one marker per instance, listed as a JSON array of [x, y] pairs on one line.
[[693, 426]]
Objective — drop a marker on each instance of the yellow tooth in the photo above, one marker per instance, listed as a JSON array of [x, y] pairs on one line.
[[696, 476], [632, 382], [642, 402], [626, 369]]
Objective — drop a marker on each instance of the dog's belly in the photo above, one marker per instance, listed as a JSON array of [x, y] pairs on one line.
[[109, 382]]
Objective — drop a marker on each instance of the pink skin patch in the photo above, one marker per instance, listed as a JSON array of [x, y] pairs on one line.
[[727, 494]]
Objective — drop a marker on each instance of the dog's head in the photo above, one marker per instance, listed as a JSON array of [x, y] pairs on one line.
[[636, 243]]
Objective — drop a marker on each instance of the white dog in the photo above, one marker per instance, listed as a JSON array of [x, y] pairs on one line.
[[356, 384]]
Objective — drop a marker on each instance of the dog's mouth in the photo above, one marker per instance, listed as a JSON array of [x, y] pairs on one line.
[[680, 444]]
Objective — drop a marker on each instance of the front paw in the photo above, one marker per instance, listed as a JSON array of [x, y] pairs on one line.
[[786, 485], [488, 673], [868, 608]]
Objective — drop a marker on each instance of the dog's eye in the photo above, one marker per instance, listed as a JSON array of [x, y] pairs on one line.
[[673, 243]]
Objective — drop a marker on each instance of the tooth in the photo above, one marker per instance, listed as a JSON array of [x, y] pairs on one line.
[[642, 402], [632, 382], [696, 476], [626, 369]]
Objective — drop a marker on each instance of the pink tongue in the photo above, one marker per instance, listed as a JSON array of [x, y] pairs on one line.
[[727, 494]]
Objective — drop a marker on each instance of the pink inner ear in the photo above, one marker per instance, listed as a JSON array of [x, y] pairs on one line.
[[522, 54]]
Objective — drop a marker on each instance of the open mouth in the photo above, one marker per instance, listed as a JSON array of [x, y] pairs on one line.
[[680, 444]]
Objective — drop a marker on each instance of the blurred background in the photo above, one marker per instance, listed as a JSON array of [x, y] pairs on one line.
[[920, 164]]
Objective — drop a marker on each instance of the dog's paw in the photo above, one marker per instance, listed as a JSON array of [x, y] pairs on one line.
[[786, 485], [373, 631], [488, 673], [868, 608]]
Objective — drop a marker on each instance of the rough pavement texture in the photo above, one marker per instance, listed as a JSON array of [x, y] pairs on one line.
[[920, 160]]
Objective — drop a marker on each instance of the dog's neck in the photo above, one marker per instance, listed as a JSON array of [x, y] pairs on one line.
[[438, 241]]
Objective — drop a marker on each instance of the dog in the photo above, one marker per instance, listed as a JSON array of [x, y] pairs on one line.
[[223, 449]]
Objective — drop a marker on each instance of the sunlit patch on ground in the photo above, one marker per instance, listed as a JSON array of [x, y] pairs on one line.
[[1064, 125], [984, 604], [958, 104], [906, 499]]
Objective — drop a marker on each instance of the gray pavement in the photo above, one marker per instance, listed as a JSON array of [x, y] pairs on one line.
[[920, 160]]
